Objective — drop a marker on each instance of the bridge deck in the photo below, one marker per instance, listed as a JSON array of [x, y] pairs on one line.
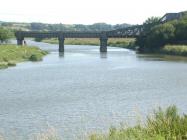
[[57, 34]]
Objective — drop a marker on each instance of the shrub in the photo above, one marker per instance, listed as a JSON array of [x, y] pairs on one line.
[[11, 63], [35, 57], [5, 34]]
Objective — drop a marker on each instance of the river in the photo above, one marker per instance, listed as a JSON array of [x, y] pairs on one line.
[[82, 91]]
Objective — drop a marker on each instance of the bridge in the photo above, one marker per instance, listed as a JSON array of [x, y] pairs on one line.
[[133, 31]]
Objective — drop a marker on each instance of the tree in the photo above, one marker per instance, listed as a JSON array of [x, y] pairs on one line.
[[150, 23], [159, 36], [5, 34], [181, 30]]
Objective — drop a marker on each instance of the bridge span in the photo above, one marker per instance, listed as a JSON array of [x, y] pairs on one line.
[[133, 31]]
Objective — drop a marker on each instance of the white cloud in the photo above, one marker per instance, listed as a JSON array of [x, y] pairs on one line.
[[87, 11]]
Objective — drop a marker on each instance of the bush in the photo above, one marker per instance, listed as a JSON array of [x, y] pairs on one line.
[[11, 63], [159, 36], [35, 57], [181, 29], [5, 34]]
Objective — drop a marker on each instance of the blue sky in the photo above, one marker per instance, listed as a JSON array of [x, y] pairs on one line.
[[87, 11]]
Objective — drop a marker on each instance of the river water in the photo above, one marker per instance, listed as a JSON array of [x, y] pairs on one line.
[[83, 91]]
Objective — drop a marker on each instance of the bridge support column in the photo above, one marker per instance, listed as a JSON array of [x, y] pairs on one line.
[[61, 43], [19, 41], [103, 44]]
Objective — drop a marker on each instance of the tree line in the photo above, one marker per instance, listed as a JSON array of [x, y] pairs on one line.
[[62, 27], [156, 35]]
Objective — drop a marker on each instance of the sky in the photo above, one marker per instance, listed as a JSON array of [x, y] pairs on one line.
[[87, 11]]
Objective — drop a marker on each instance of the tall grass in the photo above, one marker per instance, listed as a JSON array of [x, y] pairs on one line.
[[50, 134], [162, 125], [12, 54], [180, 50]]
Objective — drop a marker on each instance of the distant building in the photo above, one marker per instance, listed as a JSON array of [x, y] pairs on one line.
[[172, 16]]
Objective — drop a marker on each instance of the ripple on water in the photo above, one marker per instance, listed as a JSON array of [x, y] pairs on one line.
[[82, 90]]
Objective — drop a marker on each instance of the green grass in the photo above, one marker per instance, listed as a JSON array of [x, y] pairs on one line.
[[162, 125], [116, 42], [12, 54], [180, 50]]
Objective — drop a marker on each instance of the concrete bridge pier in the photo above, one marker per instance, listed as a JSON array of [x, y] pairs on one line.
[[61, 43], [103, 44]]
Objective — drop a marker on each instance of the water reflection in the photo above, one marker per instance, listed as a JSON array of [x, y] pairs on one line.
[[103, 55], [61, 54]]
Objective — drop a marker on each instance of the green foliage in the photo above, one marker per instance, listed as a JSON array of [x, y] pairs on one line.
[[149, 23], [12, 54], [35, 57], [159, 36], [5, 34], [181, 29], [155, 35], [162, 125], [11, 63]]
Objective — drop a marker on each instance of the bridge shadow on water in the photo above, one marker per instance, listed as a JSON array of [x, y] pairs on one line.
[[61, 54], [103, 55]]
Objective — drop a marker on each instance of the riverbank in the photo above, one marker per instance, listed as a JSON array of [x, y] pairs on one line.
[[162, 125], [10, 55], [116, 42]]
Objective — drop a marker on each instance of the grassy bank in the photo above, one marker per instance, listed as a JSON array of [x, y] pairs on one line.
[[12, 54], [162, 125], [116, 42], [180, 50]]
